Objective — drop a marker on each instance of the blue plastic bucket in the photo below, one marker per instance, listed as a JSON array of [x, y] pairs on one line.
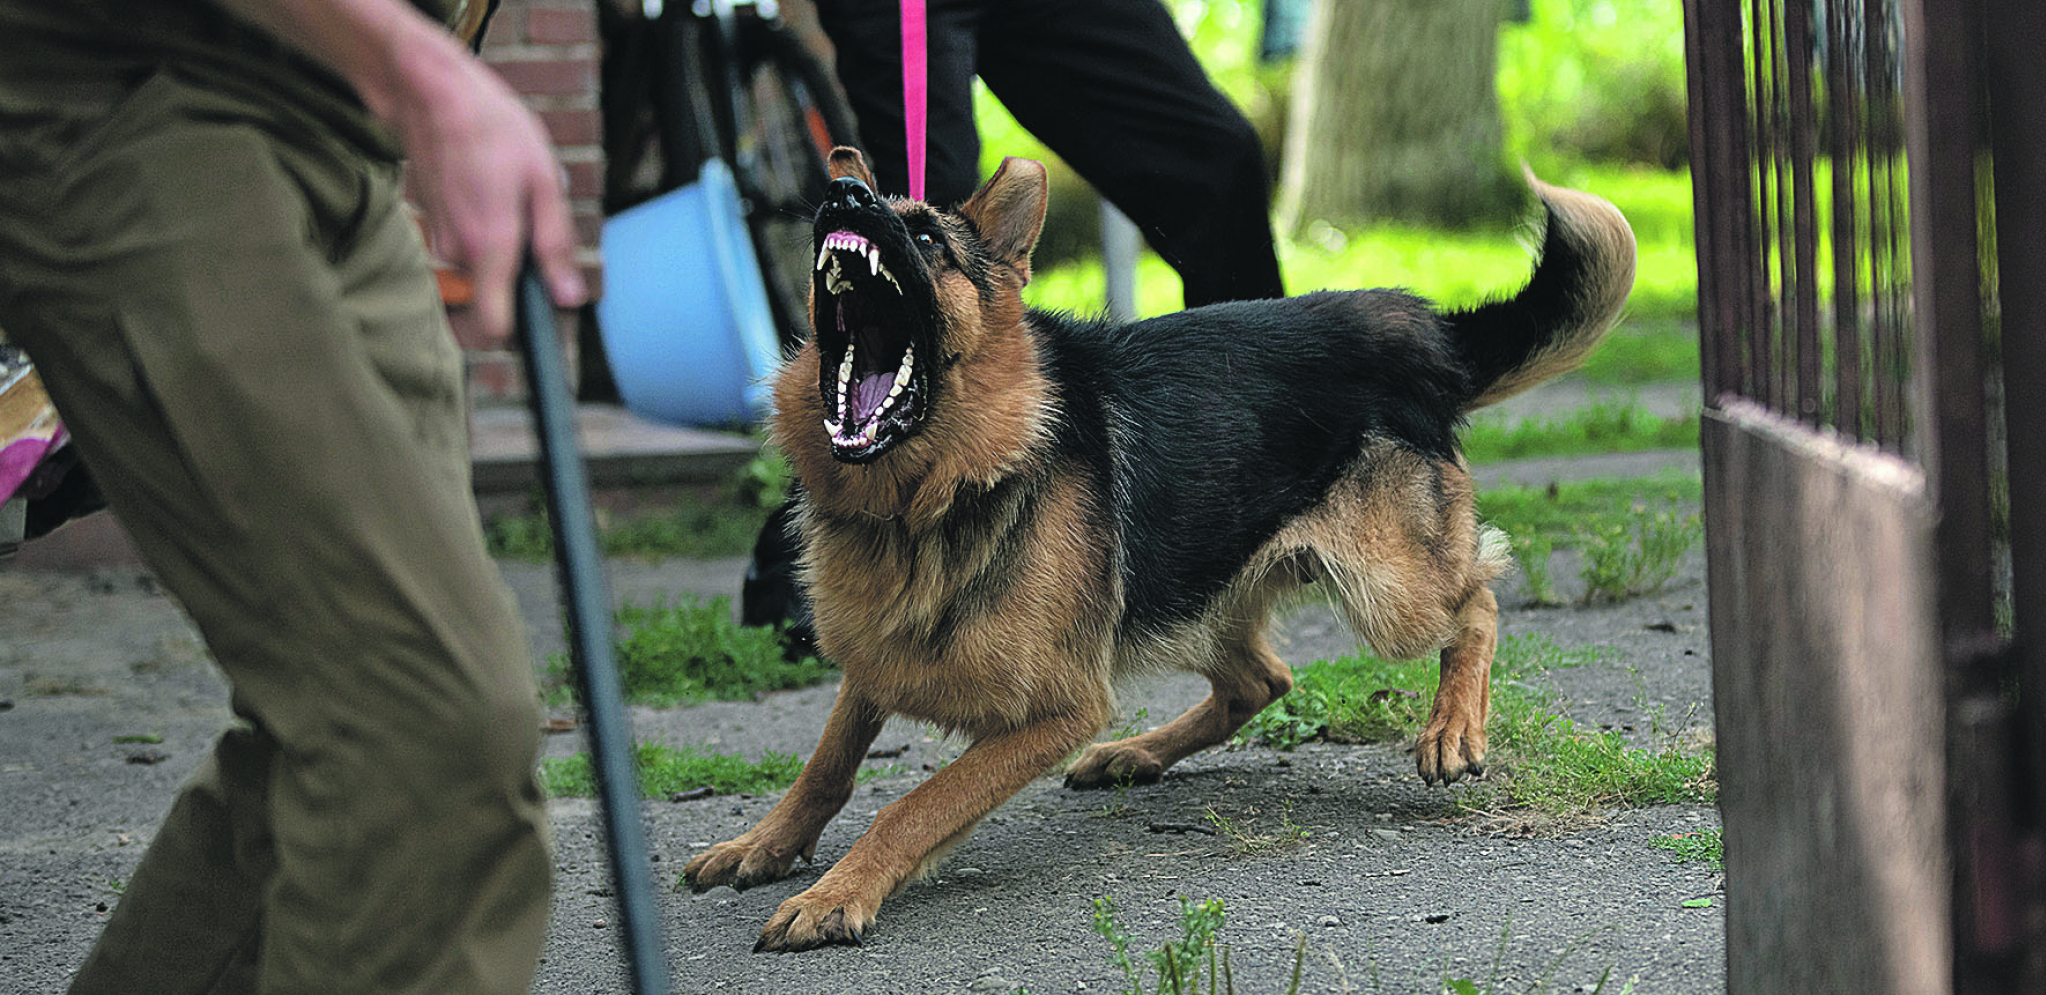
[[684, 316]]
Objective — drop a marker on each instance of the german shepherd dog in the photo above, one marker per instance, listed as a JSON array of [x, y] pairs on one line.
[[1006, 511]]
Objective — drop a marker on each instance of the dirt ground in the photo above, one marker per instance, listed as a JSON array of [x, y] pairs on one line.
[[1391, 890]]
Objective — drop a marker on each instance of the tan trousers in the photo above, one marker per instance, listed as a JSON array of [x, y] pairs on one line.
[[237, 321]]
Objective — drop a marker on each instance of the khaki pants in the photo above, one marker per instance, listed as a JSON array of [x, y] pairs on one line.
[[237, 321]]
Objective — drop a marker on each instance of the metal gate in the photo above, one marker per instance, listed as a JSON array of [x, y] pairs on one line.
[[1870, 182]]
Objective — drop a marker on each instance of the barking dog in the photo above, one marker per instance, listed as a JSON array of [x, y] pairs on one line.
[[1006, 511]]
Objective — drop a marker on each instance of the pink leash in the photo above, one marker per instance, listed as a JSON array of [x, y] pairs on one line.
[[915, 91]]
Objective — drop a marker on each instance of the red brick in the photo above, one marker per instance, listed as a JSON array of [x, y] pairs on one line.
[[570, 128], [585, 179], [589, 225], [561, 27], [549, 77]]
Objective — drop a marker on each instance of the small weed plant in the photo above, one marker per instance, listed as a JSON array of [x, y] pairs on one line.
[[1704, 845], [1193, 964], [1629, 559], [1532, 554], [1633, 533], [1196, 963], [1246, 839]]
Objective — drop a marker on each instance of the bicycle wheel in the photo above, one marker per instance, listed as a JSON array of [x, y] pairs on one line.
[[788, 115]]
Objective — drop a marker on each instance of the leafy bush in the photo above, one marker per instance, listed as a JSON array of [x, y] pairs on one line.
[[1597, 80]]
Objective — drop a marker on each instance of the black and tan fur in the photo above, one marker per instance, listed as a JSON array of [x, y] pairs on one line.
[[1047, 506]]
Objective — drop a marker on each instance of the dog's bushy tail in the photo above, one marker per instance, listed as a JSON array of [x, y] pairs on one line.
[[1579, 286]]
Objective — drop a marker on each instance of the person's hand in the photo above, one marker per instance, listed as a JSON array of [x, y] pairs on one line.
[[485, 179], [481, 167]]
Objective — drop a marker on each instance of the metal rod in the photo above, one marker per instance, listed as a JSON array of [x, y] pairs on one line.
[[590, 648]]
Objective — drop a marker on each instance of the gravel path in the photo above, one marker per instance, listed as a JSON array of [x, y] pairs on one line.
[[1391, 891]]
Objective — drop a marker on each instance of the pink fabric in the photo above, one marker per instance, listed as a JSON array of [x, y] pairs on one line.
[[21, 457], [915, 91]]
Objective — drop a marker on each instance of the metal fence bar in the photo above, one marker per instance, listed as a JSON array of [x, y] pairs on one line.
[[1844, 145], [2017, 93], [1947, 277], [1762, 383], [1890, 264], [1946, 138], [1802, 338], [1720, 192]]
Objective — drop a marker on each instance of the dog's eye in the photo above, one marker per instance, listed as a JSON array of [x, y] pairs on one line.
[[924, 238]]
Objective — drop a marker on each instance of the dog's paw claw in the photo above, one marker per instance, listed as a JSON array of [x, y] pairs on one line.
[[737, 864], [1108, 765], [1443, 755], [796, 927]]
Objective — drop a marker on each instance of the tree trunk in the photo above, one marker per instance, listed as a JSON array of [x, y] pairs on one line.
[[1395, 116]]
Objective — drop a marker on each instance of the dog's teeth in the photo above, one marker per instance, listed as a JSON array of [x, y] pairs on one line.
[[902, 373], [873, 261], [891, 281], [845, 368], [823, 256]]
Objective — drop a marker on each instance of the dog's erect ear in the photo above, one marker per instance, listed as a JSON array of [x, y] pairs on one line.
[[849, 162], [1009, 211]]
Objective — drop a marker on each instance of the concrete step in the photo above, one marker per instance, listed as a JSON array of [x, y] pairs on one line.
[[620, 448]]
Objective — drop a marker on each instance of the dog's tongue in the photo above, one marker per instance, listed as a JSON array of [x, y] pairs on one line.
[[864, 396]]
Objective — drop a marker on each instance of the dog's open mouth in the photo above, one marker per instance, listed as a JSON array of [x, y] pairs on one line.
[[873, 385]]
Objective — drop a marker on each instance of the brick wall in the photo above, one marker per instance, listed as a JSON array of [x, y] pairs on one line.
[[547, 50]]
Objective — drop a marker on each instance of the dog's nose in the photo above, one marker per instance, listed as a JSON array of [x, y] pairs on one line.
[[848, 193]]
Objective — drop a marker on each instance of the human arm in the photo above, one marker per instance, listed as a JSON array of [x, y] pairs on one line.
[[481, 167]]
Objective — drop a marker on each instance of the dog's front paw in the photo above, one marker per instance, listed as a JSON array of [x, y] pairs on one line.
[[811, 920], [1105, 765], [737, 863], [1450, 747]]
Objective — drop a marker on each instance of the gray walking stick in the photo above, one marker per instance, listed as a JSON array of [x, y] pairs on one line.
[[588, 600]]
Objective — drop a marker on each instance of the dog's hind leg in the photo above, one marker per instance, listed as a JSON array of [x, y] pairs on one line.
[[1251, 677], [1452, 744]]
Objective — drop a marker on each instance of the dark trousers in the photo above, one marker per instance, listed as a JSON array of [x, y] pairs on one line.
[[240, 326], [1110, 86]]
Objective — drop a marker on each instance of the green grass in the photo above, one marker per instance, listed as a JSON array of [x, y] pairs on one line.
[[1656, 341], [1547, 763], [1606, 426], [1568, 512], [723, 522], [1451, 268], [678, 654], [701, 528], [666, 770], [1556, 768]]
